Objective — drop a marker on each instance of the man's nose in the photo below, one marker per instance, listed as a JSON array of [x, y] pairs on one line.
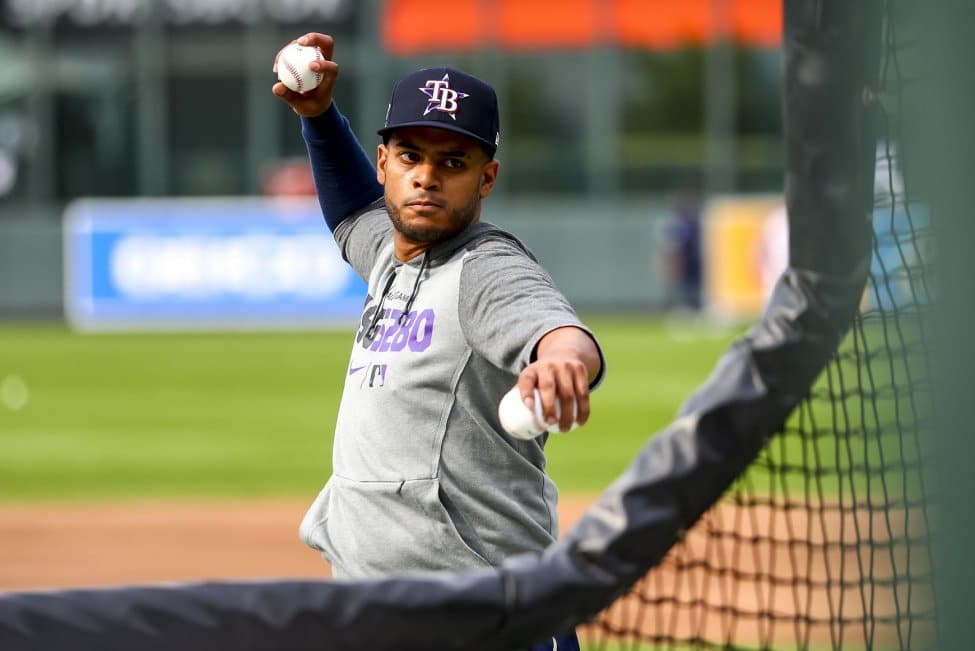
[[425, 177]]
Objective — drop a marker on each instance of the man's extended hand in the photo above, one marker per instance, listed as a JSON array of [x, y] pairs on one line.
[[316, 101], [567, 361]]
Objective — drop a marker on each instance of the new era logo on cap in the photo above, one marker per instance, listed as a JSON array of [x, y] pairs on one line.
[[448, 99]]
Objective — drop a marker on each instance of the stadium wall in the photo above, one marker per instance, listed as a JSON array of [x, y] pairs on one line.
[[30, 266], [604, 257]]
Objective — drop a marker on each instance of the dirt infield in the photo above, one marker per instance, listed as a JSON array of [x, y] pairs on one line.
[[743, 575], [58, 546], [766, 577]]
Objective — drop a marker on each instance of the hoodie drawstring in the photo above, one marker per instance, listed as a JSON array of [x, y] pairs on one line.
[[371, 330], [416, 288], [374, 323]]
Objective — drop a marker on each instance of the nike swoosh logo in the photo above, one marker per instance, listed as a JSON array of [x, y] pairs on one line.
[[356, 369]]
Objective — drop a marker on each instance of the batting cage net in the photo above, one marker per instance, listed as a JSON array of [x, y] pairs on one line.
[[824, 542], [783, 508]]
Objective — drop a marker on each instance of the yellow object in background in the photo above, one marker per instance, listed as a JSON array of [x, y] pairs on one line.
[[745, 249]]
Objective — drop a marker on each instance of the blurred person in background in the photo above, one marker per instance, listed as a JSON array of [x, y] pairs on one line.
[[288, 178], [458, 311], [682, 235]]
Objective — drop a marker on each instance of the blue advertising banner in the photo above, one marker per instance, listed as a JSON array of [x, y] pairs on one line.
[[205, 264]]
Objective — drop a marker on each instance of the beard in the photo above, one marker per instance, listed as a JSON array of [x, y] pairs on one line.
[[427, 231]]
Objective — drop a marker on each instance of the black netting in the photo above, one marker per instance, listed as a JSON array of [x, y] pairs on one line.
[[824, 543]]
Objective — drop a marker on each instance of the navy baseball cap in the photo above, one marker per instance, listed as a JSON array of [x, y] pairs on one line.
[[445, 98]]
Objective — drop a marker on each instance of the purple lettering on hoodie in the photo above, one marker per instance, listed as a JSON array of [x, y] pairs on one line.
[[398, 342], [421, 334], [391, 329]]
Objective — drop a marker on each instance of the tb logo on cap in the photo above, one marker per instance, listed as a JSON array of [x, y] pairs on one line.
[[442, 96]]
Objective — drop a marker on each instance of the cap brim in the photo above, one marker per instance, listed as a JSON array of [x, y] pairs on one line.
[[439, 125]]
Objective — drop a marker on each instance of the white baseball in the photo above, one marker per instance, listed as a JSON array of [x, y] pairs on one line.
[[523, 423], [293, 70]]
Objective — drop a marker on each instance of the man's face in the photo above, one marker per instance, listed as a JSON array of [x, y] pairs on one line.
[[434, 181]]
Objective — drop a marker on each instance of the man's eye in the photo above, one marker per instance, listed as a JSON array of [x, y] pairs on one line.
[[454, 163], [409, 156]]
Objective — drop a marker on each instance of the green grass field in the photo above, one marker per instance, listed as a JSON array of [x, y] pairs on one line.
[[133, 416], [119, 416]]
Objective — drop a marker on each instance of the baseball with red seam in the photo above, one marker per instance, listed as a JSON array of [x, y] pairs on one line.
[[293, 70], [524, 423]]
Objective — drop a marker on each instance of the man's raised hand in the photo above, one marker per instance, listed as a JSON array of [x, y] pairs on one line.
[[318, 100]]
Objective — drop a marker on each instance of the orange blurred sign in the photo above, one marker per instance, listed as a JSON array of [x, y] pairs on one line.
[[746, 248], [412, 26]]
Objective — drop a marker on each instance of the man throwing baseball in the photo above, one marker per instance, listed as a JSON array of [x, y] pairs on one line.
[[458, 310]]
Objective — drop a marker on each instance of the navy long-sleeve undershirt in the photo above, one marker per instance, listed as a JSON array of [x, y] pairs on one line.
[[345, 178]]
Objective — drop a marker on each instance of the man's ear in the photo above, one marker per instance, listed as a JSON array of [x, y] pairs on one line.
[[489, 175], [381, 154]]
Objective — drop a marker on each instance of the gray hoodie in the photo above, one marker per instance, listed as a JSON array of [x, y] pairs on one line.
[[424, 478]]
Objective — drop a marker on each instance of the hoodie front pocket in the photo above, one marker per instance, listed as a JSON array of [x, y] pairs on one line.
[[383, 527]]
